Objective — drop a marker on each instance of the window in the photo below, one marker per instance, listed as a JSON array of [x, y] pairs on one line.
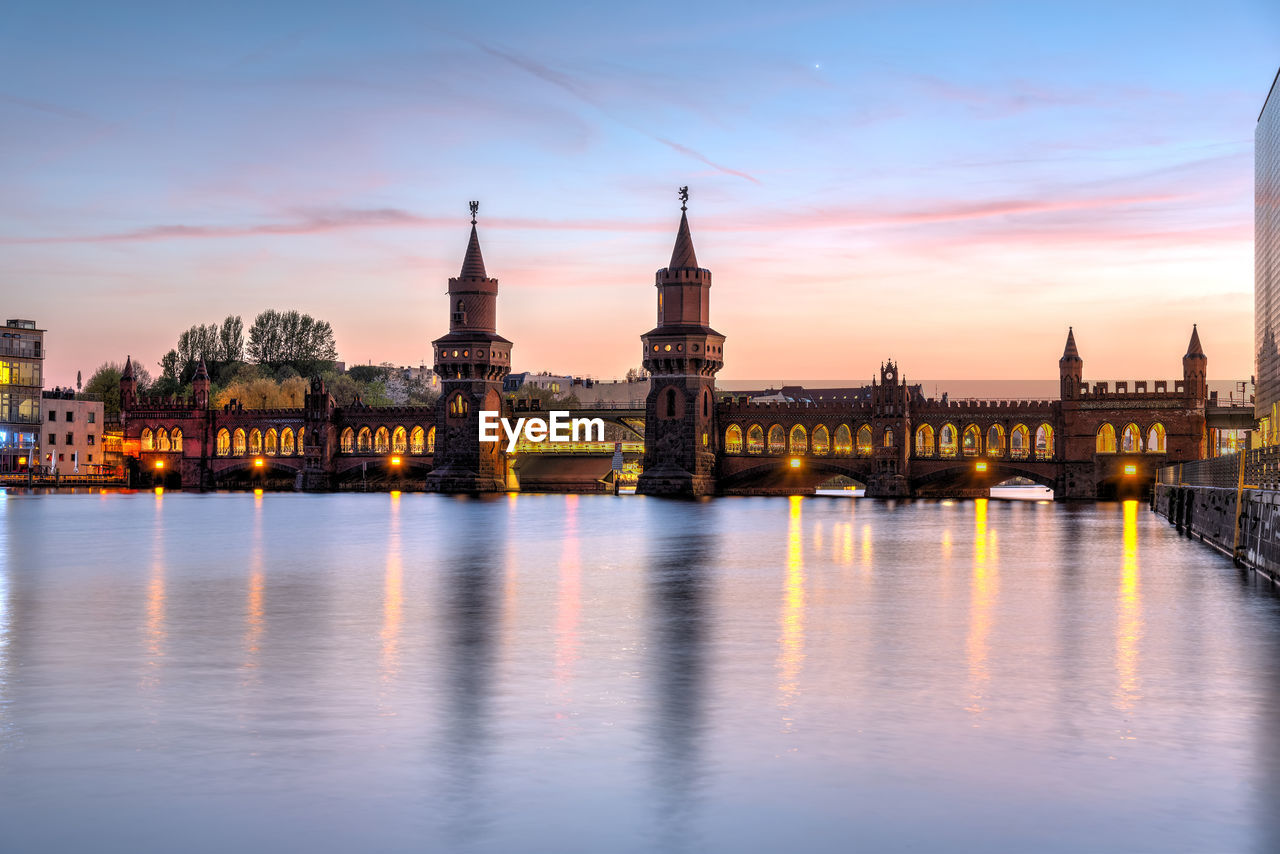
[[777, 439], [864, 440], [799, 440], [924, 441], [431, 441], [948, 440], [1131, 439], [733, 439], [995, 441], [238, 443], [53, 440], [162, 440], [89, 439], [1044, 442], [972, 444], [888, 437], [53, 416], [821, 441], [224, 442], [1155, 439], [1106, 440], [90, 457], [755, 439], [347, 443], [844, 441], [417, 440], [706, 404], [70, 416], [671, 403], [175, 439], [93, 417]]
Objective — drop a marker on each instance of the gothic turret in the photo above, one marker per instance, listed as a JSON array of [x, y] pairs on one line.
[[1070, 368], [128, 386], [1195, 368], [200, 386], [471, 361], [683, 354]]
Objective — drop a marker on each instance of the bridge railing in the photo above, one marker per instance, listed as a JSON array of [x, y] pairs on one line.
[[1259, 469]]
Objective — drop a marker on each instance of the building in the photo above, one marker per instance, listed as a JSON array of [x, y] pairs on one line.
[[1266, 263], [21, 380], [72, 434]]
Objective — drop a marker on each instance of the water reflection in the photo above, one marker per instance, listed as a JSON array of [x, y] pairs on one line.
[[982, 598], [392, 596], [1129, 624], [254, 614], [6, 618], [568, 606], [791, 639], [156, 630]]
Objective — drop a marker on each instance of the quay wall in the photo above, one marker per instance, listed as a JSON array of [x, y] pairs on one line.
[[1210, 514]]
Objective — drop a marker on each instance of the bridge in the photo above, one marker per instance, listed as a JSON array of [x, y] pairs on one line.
[[1095, 439]]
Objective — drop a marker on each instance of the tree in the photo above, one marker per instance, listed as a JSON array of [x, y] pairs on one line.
[[278, 338], [264, 393], [231, 340], [105, 383]]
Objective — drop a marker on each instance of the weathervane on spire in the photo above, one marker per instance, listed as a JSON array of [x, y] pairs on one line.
[[475, 206], [684, 197]]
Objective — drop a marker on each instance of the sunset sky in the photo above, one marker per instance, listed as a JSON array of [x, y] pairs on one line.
[[947, 184]]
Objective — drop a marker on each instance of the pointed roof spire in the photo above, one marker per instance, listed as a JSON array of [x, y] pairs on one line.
[[202, 373], [127, 373], [1070, 351], [682, 255], [1194, 348], [473, 263]]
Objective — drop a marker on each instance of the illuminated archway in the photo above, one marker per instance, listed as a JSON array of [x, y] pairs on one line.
[[1020, 442], [820, 442], [271, 442], [417, 440], [799, 440], [364, 440], [162, 440], [1131, 439], [400, 441], [238, 445], [1106, 439], [1155, 439], [175, 439], [148, 439], [843, 444], [347, 441], [431, 441], [733, 439], [777, 439], [755, 439], [255, 441], [995, 441], [1044, 442], [224, 442], [864, 440], [972, 443], [948, 440], [287, 445], [381, 441], [924, 441]]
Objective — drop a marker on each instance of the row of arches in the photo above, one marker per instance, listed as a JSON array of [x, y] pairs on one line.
[[1018, 443], [161, 439], [798, 441], [1130, 439], [398, 440], [272, 443]]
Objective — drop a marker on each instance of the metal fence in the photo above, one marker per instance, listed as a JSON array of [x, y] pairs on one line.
[[1256, 469]]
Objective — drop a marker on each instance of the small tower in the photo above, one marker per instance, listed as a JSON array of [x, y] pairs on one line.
[[683, 354], [128, 386], [890, 433], [1195, 369], [200, 386], [471, 361], [1070, 368]]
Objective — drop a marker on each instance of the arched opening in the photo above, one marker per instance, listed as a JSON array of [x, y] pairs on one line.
[[458, 406], [755, 439], [888, 437], [301, 433], [799, 440], [162, 440], [1131, 439], [1044, 442], [1106, 440], [238, 445], [347, 441], [417, 440], [431, 441], [777, 439], [1020, 442], [947, 440], [843, 445], [820, 443], [706, 404], [271, 442], [972, 441], [1155, 439], [381, 441], [287, 446], [671, 403], [733, 439], [364, 440], [924, 441], [995, 441], [224, 442], [255, 441], [148, 439], [864, 440], [400, 441], [175, 439]]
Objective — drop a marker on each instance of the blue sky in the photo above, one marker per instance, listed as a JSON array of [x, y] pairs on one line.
[[947, 184]]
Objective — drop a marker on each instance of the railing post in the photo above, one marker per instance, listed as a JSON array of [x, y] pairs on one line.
[[1235, 542]]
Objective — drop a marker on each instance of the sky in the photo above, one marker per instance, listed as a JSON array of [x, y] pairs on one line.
[[950, 185]]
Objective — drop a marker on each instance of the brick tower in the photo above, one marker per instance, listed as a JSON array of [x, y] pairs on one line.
[[1070, 368], [890, 434], [128, 385], [471, 361], [1195, 369], [683, 354]]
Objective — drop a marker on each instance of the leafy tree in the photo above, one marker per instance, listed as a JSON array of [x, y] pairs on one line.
[[105, 383], [263, 392], [545, 395], [231, 340], [278, 338]]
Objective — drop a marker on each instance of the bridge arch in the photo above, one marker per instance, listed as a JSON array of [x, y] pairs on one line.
[[843, 444], [864, 440], [820, 441], [777, 439], [1105, 442], [924, 441], [1131, 439], [995, 440], [1156, 439], [755, 440], [733, 439], [798, 444]]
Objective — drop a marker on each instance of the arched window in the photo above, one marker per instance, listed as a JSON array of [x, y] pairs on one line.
[[286, 442], [948, 438], [706, 404], [175, 439], [381, 441], [458, 406], [671, 403], [1044, 442], [431, 441], [347, 442], [1106, 442], [302, 431], [1131, 439], [799, 440], [364, 440], [224, 442], [1020, 442], [733, 439], [271, 442], [148, 439], [417, 440], [995, 441], [755, 439], [972, 444], [843, 444], [399, 441], [864, 440], [888, 437], [777, 439], [924, 441], [1155, 439], [238, 446], [162, 439], [460, 307], [821, 441], [255, 441]]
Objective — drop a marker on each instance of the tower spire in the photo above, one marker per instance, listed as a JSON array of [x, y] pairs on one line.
[[1194, 348], [473, 263], [127, 373], [682, 255], [1070, 351]]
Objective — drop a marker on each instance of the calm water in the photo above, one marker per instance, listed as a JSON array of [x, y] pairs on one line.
[[549, 673]]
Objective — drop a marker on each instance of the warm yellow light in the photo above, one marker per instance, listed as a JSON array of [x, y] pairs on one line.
[[259, 463], [395, 461], [159, 490], [159, 464], [795, 463], [981, 466], [257, 492], [22, 461], [1130, 469]]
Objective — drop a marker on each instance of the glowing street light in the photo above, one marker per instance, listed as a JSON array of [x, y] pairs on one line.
[[259, 463], [395, 461], [159, 464], [981, 465], [1130, 469], [795, 462]]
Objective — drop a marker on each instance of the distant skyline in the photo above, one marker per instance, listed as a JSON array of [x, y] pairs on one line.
[[949, 185]]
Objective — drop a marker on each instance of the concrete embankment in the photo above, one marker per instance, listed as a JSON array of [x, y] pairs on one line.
[[1243, 523]]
